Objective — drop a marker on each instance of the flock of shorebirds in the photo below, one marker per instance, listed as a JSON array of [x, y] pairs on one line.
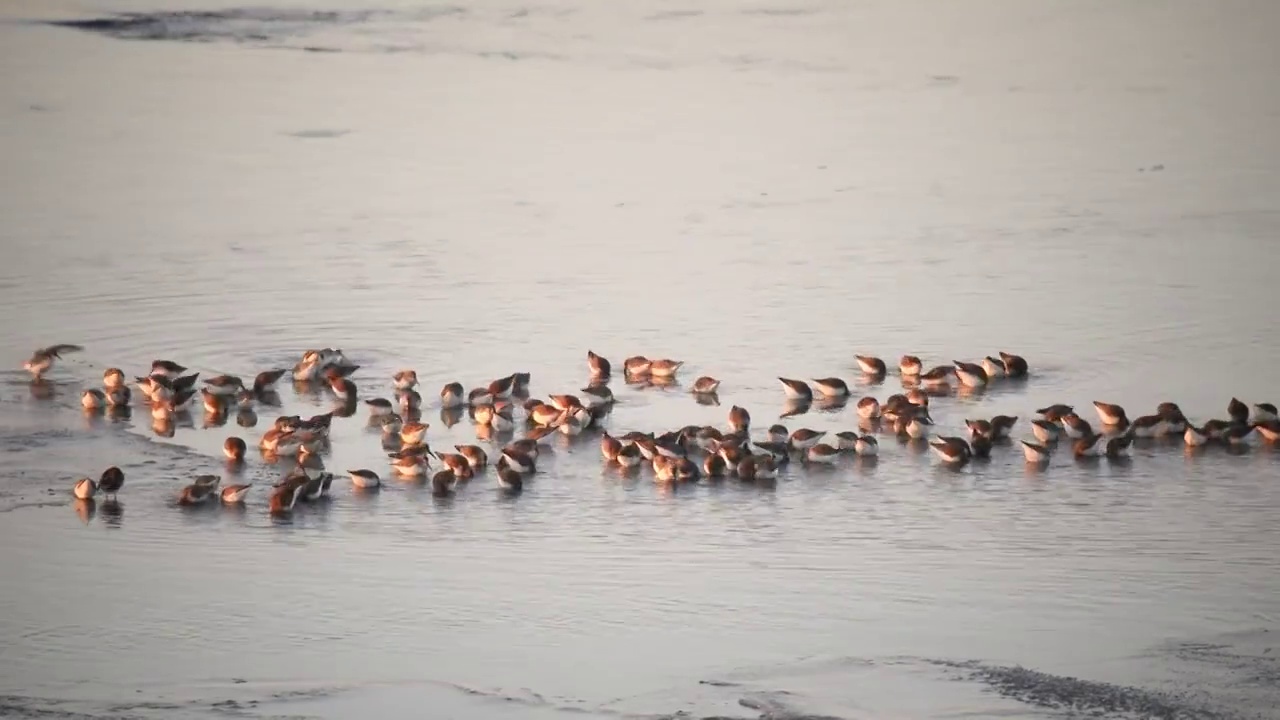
[[683, 455]]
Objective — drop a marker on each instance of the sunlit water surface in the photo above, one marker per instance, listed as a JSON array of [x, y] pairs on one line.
[[759, 190]]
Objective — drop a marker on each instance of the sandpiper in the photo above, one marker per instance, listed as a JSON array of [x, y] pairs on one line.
[[118, 396], [409, 401], [867, 446], [713, 466], [227, 385], [42, 360], [475, 455], [111, 480], [365, 479], [1111, 414], [284, 498], [266, 381], [778, 433], [379, 407], [233, 494], [868, 408], [405, 380], [509, 480], [1045, 431], [1215, 429], [1147, 426], [342, 388], [993, 367], [443, 484], [546, 415], [805, 438], [166, 368], [85, 489], [1235, 436], [457, 463], [1264, 412], [629, 456], [870, 365], [610, 446], [1054, 413], [1087, 446], [664, 368], [565, 402], [598, 365], [918, 426], [1002, 426], [113, 378], [479, 396], [636, 365], [910, 366], [979, 428], [502, 387], [214, 403], [831, 387], [451, 395], [822, 453], [1117, 448], [410, 466], [597, 397], [706, 385], [413, 433], [519, 461], [1076, 427], [952, 450], [198, 494], [1269, 430], [1237, 411], [1194, 437], [796, 389], [1034, 452], [970, 374], [938, 378], [1014, 365]]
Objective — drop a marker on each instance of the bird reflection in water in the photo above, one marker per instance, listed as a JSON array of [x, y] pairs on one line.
[[112, 512], [85, 509], [42, 389]]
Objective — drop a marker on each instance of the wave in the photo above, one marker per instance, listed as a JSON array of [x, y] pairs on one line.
[[246, 25]]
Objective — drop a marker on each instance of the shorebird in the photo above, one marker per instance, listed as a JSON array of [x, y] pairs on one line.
[[227, 385], [598, 365], [910, 366], [1110, 414], [796, 389], [871, 365], [111, 481], [42, 360], [1035, 453], [85, 489], [266, 381], [1014, 365], [952, 450], [831, 387], [364, 479], [706, 385], [234, 494]]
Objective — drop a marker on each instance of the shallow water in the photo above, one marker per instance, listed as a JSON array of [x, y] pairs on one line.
[[759, 190]]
